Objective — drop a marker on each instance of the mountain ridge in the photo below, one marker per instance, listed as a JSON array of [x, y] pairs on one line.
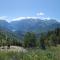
[[30, 25]]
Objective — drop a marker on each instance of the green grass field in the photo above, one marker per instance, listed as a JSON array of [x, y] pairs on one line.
[[52, 53]]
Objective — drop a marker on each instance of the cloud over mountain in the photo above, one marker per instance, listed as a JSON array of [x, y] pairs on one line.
[[40, 14]]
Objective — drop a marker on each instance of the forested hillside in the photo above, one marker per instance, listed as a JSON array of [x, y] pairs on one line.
[[8, 38], [51, 38]]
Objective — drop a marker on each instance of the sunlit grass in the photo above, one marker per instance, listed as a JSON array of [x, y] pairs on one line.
[[52, 53]]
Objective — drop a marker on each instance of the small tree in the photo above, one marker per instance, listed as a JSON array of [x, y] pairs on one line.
[[8, 43], [30, 40], [54, 40], [42, 41], [3, 43]]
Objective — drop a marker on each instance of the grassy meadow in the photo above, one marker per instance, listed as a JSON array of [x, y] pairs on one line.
[[52, 53]]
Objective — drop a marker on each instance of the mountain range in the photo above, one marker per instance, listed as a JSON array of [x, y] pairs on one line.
[[34, 25], [29, 25]]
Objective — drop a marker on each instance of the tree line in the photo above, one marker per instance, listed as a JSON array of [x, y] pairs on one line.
[[8, 39], [51, 38]]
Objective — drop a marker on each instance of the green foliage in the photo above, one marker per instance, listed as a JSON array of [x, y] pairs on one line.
[[42, 41], [52, 38], [52, 53], [30, 40], [9, 38]]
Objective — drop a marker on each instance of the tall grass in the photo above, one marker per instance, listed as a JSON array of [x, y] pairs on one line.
[[32, 54]]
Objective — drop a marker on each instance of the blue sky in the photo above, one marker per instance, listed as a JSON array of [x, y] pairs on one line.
[[18, 9]]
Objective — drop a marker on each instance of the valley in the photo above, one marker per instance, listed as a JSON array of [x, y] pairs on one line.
[[30, 40]]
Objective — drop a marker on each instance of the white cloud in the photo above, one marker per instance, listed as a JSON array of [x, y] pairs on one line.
[[47, 18], [9, 19], [40, 14], [34, 17], [3, 17], [20, 18]]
